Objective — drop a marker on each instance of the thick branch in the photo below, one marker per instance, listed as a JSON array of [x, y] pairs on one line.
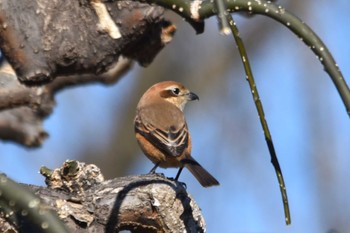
[[45, 39], [23, 108], [75, 42], [147, 203]]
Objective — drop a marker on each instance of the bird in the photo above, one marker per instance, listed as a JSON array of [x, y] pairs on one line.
[[162, 133]]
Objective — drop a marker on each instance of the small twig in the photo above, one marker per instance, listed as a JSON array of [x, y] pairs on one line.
[[298, 27], [261, 114], [222, 12], [197, 11]]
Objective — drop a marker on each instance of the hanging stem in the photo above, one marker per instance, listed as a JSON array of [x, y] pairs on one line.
[[220, 6], [261, 114], [298, 27], [195, 11]]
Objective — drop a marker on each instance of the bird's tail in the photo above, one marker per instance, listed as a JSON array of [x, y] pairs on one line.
[[202, 175]]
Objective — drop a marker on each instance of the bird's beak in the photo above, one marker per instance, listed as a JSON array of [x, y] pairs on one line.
[[192, 96]]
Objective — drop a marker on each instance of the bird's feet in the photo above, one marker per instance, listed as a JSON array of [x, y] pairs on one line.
[[182, 183]]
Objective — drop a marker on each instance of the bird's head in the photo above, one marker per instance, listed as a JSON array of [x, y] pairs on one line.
[[169, 91], [175, 93]]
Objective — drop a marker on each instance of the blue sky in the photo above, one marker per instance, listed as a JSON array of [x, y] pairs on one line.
[[307, 120]]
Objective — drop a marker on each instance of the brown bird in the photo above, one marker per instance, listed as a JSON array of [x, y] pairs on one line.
[[162, 133]]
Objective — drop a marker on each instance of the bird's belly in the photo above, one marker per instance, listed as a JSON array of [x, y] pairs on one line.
[[165, 161], [170, 161]]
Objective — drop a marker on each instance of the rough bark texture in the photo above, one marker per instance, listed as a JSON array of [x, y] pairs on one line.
[[44, 39], [86, 203], [24, 108], [57, 44], [62, 43]]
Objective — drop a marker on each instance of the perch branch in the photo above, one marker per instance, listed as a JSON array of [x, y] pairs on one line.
[[85, 202]]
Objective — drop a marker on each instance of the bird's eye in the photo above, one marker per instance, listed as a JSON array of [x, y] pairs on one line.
[[175, 90]]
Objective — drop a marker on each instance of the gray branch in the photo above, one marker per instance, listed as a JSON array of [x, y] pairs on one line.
[[87, 203], [23, 108], [46, 39], [59, 44]]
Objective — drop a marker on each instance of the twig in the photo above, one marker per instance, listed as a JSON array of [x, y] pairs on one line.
[[196, 10], [222, 12], [261, 114]]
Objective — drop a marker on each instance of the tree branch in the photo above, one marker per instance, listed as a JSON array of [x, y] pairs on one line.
[[23, 108], [63, 44], [46, 39], [199, 10], [87, 203]]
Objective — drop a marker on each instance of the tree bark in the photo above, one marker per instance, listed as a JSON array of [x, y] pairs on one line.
[[58, 44], [85, 202], [24, 108], [45, 39]]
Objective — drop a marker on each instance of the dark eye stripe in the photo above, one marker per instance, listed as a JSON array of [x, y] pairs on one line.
[[173, 92]]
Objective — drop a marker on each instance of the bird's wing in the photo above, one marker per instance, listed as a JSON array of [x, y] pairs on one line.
[[172, 140]]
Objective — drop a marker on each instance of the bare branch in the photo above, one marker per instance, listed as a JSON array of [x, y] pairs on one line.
[[23, 108], [146, 203], [46, 39], [71, 43]]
